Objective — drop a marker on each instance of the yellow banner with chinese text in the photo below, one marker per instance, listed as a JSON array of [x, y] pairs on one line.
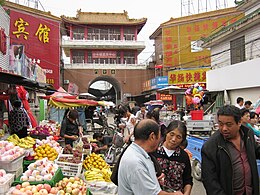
[[176, 77]]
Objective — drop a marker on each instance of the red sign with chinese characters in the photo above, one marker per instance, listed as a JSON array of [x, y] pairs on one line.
[[40, 36], [103, 54], [166, 97]]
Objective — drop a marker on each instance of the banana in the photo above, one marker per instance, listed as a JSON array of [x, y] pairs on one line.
[[26, 142]]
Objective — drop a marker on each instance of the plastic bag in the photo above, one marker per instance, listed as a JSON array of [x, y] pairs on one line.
[[78, 144]]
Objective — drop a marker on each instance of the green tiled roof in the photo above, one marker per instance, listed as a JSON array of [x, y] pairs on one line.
[[233, 25]]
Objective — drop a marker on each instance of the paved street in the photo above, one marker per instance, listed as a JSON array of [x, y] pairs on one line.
[[198, 188]]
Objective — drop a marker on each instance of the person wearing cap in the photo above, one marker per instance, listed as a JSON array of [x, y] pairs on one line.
[[18, 120]]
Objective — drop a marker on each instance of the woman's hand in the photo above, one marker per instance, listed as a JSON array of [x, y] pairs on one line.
[[161, 179], [74, 137]]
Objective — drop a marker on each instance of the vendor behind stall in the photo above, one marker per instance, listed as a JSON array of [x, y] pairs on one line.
[[70, 127], [102, 144], [18, 120]]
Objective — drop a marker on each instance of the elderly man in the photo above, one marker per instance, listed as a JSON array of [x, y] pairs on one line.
[[229, 157], [136, 174]]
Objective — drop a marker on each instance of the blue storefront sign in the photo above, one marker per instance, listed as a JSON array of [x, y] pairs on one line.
[[161, 82]]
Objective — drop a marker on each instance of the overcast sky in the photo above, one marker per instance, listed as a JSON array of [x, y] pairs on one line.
[[156, 12]]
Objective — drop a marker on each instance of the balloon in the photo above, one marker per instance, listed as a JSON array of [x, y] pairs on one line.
[[188, 91], [195, 91], [188, 100], [201, 93], [198, 95], [200, 88], [195, 100], [196, 85]]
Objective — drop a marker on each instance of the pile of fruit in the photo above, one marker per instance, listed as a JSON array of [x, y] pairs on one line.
[[9, 152], [71, 186], [4, 176], [45, 150], [94, 161], [41, 170], [43, 130], [98, 175], [96, 168], [26, 142], [40, 189]]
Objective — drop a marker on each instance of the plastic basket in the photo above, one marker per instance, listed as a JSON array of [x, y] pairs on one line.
[[69, 169], [55, 179], [196, 114], [26, 163], [11, 166], [17, 173], [5, 186]]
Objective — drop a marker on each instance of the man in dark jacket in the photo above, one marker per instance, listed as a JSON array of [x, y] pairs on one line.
[[229, 157]]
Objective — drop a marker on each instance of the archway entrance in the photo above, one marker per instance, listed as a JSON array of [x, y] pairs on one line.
[[110, 89]]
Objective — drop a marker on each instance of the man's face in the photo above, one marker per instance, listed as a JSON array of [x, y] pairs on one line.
[[155, 141], [142, 109], [247, 106], [245, 118], [228, 126]]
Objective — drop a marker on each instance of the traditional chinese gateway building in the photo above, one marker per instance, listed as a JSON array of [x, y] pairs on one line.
[[34, 40], [104, 46]]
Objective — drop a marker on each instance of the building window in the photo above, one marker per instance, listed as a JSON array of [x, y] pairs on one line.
[[129, 34], [114, 34], [104, 34], [93, 33], [90, 59], [237, 49], [78, 33], [129, 57], [78, 56]]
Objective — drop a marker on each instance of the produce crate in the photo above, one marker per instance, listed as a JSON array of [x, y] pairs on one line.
[[55, 179], [69, 169], [5, 186], [11, 166], [26, 163], [17, 173]]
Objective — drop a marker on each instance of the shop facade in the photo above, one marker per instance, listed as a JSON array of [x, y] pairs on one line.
[[34, 40]]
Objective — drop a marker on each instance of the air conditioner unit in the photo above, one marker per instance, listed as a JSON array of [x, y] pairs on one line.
[[66, 81]]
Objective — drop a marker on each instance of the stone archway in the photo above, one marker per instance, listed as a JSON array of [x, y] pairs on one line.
[[113, 82]]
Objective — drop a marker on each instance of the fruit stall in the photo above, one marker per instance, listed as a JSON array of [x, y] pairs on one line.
[[40, 166]]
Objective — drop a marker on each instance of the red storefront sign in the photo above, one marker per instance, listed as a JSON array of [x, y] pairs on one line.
[[103, 54], [40, 37], [165, 97]]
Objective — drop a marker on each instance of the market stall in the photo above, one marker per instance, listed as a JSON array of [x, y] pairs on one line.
[[42, 166]]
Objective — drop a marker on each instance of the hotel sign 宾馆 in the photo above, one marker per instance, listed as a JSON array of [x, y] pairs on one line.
[[39, 37]]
